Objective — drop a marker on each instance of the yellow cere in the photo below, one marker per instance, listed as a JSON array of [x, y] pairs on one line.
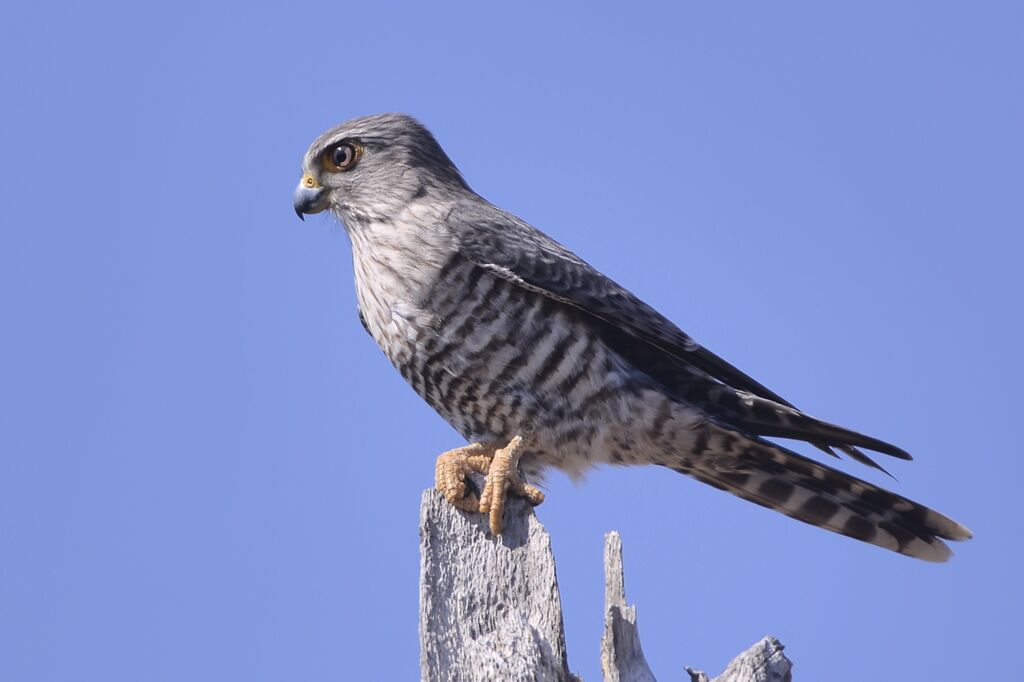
[[309, 181]]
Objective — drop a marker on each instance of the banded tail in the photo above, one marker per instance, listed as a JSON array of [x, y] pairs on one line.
[[774, 477]]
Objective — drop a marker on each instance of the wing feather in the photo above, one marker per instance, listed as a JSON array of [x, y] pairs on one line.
[[510, 248]]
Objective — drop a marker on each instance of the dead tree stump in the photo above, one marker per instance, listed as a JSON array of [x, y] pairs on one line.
[[490, 607]]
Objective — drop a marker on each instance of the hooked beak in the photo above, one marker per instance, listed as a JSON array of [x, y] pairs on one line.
[[309, 197]]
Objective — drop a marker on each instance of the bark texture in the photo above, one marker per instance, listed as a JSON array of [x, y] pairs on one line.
[[490, 607], [763, 662], [622, 657]]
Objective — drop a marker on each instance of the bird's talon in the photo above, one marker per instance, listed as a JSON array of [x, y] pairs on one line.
[[500, 468]]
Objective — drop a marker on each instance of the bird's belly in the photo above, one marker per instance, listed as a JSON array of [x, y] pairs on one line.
[[496, 361], [501, 364]]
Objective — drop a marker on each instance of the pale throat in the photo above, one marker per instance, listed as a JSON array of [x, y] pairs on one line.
[[396, 262]]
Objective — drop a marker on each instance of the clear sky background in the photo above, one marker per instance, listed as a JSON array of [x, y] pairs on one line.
[[208, 471]]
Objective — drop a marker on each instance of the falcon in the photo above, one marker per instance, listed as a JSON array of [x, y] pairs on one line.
[[538, 360]]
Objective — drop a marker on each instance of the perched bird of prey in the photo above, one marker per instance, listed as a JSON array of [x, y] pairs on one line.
[[538, 360]]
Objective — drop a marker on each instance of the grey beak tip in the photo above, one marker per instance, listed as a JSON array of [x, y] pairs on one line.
[[308, 200]]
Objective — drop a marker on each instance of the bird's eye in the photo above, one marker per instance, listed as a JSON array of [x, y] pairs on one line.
[[342, 157]]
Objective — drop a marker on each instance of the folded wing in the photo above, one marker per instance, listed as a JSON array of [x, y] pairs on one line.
[[512, 249]]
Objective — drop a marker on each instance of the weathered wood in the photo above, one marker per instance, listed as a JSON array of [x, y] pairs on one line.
[[489, 607], [622, 657], [763, 662]]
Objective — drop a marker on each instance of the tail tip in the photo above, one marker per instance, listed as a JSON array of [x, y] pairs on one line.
[[932, 550]]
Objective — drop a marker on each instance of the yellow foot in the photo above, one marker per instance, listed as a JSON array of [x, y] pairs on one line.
[[501, 468]]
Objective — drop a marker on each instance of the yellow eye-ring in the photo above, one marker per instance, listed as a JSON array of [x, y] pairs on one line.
[[342, 157]]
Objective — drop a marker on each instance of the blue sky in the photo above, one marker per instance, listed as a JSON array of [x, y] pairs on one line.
[[207, 469]]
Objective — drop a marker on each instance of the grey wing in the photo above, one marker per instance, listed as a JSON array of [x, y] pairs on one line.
[[509, 247]]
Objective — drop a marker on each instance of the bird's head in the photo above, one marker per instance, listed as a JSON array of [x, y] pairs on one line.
[[371, 167]]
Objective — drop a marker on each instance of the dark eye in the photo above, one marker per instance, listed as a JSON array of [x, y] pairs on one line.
[[342, 157]]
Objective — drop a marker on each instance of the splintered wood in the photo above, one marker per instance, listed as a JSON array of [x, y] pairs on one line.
[[490, 607]]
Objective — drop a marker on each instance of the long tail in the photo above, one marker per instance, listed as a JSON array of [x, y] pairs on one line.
[[777, 478]]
